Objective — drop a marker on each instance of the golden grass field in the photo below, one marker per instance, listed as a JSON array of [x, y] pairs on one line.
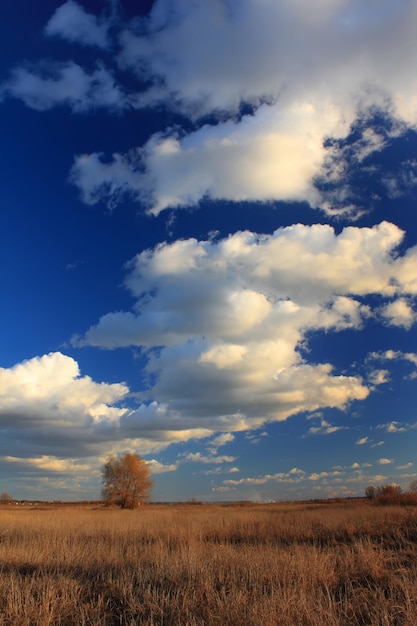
[[338, 564]]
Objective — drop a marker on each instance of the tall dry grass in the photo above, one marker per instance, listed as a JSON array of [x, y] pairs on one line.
[[268, 565]]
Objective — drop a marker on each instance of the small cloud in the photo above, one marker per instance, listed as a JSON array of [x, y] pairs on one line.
[[392, 427], [159, 468], [220, 440], [324, 429], [362, 441], [379, 443], [378, 377], [385, 461], [379, 478], [406, 466], [296, 471], [72, 23], [222, 470], [399, 313], [197, 457]]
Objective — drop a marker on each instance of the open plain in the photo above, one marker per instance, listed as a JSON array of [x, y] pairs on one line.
[[346, 563]]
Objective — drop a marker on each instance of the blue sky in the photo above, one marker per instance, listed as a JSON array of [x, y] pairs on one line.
[[209, 246]]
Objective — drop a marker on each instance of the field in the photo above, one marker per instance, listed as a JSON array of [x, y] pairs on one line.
[[341, 564]]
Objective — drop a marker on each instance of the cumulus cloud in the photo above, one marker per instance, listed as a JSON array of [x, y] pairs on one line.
[[221, 322], [274, 50], [399, 313], [45, 404], [71, 22], [385, 461], [264, 101], [306, 76]]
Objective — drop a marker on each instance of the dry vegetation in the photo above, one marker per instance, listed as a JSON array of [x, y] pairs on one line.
[[287, 565]]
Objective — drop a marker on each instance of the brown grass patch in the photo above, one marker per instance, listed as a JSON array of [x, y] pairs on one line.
[[287, 565]]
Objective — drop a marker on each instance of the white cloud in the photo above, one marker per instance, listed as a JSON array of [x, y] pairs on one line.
[[406, 466], [362, 441], [378, 377], [65, 84], [221, 440], [396, 355], [385, 461], [392, 427], [56, 391], [399, 313], [49, 463], [71, 22], [221, 323], [324, 428], [160, 468], [306, 74], [197, 457], [48, 410], [275, 50]]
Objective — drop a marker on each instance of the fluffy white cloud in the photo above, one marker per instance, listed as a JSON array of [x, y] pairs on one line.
[[233, 295], [71, 22], [399, 313], [46, 404], [221, 324]]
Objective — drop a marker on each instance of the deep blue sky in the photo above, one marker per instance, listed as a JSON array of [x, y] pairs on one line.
[[208, 246]]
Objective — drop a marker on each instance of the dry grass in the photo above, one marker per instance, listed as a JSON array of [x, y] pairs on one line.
[[269, 565]]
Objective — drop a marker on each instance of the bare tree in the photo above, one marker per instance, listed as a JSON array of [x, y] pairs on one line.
[[413, 487], [126, 480]]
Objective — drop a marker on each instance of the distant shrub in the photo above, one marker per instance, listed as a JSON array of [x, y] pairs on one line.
[[386, 495], [370, 492], [6, 498]]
